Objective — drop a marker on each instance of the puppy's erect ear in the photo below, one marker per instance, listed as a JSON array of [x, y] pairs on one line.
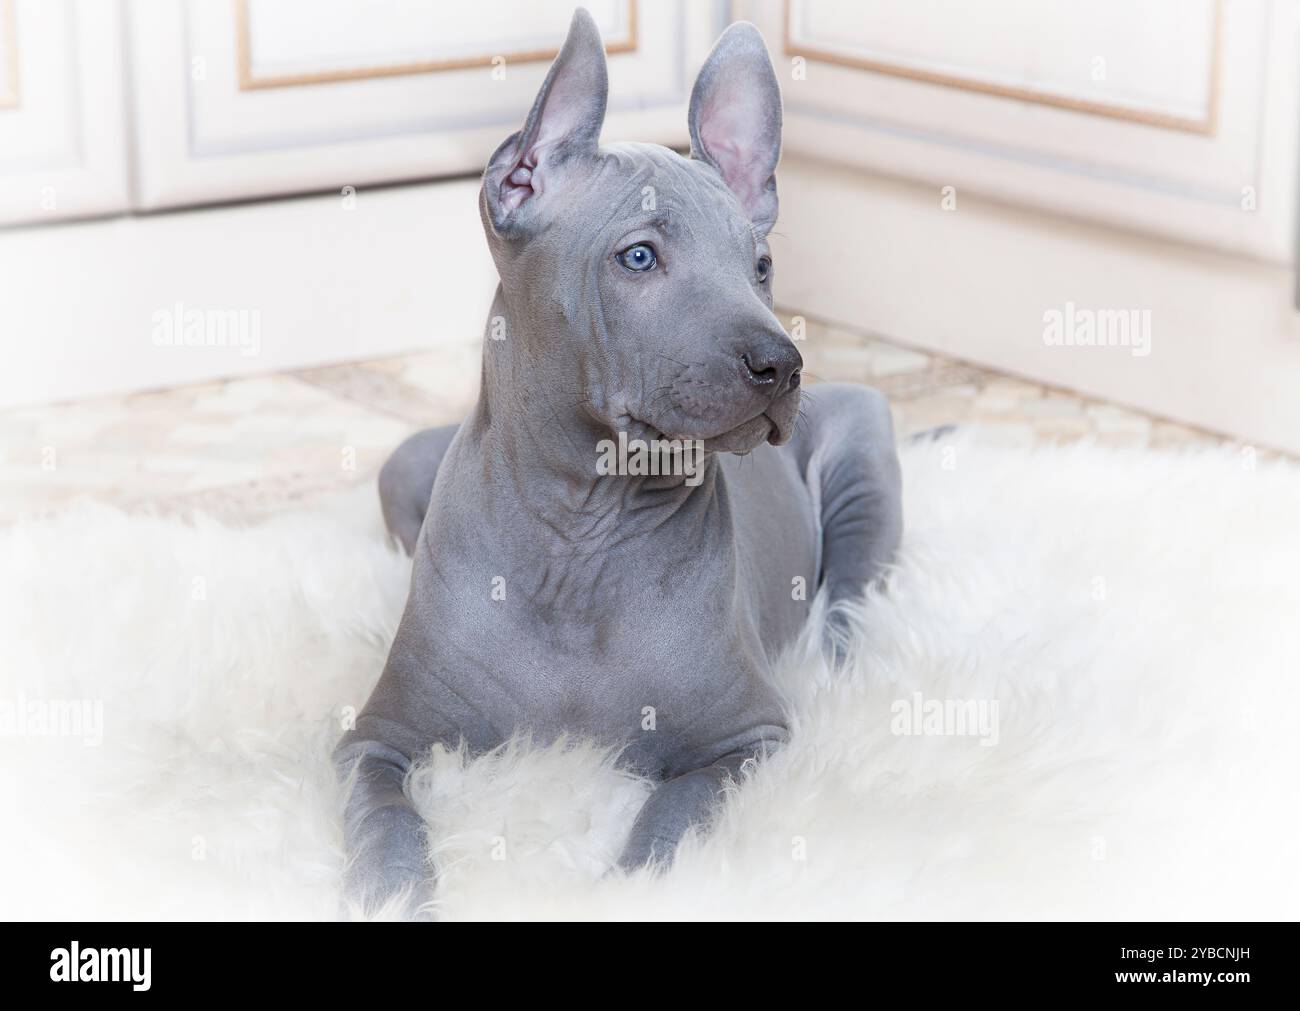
[[735, 120], [565, 122]]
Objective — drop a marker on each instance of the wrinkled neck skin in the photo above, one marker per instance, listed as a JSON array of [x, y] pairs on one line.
[[538, 435]]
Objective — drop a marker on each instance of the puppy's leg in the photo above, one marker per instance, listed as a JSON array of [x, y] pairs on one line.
[[678, 804], [406, 482], [383, 836], [851, 464]]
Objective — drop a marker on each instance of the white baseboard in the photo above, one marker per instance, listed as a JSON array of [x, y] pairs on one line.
[[975, 282], [403, 268]]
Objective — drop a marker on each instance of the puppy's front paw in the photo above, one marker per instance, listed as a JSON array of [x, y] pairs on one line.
[[390, 877]]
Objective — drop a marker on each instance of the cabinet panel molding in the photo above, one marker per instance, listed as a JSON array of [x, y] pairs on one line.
[[8, 56], [1045, 30], [63, 150], [616, 18], [1190, 135], [329, 114]]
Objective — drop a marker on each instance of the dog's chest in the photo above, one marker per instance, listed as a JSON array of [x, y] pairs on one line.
[[657, 642], [656, 673]]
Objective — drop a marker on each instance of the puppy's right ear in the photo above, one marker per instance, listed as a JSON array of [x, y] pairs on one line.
[[564, 123]]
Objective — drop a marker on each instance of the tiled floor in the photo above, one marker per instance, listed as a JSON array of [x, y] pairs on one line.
[[246, 447]]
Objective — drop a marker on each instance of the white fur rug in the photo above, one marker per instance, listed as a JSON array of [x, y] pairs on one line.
[[1135, 617]]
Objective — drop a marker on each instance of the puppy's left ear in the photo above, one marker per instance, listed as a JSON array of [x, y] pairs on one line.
[[735, 120]]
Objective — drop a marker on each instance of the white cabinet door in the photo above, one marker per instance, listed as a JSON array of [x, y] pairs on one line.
[[62, 123], [242, 98], [1176, 117]]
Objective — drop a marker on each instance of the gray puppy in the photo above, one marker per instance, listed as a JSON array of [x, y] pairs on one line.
[[550, 596]]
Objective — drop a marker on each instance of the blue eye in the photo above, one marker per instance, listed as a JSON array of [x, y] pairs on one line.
[[638, 258], [764, 268]]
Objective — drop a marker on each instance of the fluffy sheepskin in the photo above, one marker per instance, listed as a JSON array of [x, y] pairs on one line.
[[1135, 616]]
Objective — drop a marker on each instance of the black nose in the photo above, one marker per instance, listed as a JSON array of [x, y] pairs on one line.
[[773, 366]]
